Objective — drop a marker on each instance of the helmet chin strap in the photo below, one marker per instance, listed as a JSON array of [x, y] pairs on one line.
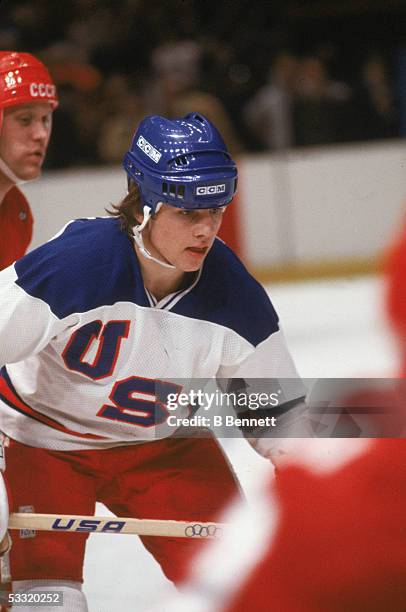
[[140, 242], [9, 173]]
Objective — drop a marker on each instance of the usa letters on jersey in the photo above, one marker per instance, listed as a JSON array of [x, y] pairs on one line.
[[88, 354]]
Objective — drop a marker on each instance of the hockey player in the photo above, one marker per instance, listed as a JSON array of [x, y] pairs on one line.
[[396, 292], [99, 325], [27, 100]]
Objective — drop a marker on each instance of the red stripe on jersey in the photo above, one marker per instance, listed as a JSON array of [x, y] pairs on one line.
[[12, 400]]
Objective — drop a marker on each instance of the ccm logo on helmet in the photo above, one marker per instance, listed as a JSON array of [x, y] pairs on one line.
[[148, 149], [210, 190], [42, 90]]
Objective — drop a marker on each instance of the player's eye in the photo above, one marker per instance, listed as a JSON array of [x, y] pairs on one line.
[[217, 211], [24, 120]]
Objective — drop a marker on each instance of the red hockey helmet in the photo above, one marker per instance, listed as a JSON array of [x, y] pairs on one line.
[[24, 79]]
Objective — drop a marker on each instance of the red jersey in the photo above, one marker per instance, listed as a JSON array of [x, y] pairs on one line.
[[395, 269], [340, 542], [15, 227], [327, 535]]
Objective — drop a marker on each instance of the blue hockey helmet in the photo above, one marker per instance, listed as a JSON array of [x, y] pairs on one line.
[[182, 162]]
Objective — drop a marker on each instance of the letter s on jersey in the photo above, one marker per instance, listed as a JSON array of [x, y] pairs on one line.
[[139, 401]]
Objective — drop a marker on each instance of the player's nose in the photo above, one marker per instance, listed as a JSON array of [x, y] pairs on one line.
[[40, 131], [206, 226]]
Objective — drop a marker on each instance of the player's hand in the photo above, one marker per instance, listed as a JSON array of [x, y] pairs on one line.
[[278, 443]]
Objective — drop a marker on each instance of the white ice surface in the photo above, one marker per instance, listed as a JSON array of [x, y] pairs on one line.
[[334, 329]]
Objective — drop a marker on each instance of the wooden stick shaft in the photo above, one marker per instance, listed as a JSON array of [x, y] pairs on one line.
[[64, 523]]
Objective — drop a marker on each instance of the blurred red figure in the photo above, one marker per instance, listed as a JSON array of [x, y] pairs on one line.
[[327, 535], [27, 100], [340, 543], [396, 293]]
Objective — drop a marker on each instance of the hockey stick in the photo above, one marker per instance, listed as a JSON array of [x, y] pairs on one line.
[[63, 523]]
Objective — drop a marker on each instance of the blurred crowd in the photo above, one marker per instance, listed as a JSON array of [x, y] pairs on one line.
[[116, 62]]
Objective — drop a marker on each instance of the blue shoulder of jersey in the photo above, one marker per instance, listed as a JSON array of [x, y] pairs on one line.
[[228, 295], [92, 263]]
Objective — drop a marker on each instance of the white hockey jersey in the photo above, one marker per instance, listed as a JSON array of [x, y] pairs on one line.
[[88, 354]]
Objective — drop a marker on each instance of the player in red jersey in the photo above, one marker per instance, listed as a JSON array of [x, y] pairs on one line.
[[327, 534], [339, 540], [396, 294], [27, 100]]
